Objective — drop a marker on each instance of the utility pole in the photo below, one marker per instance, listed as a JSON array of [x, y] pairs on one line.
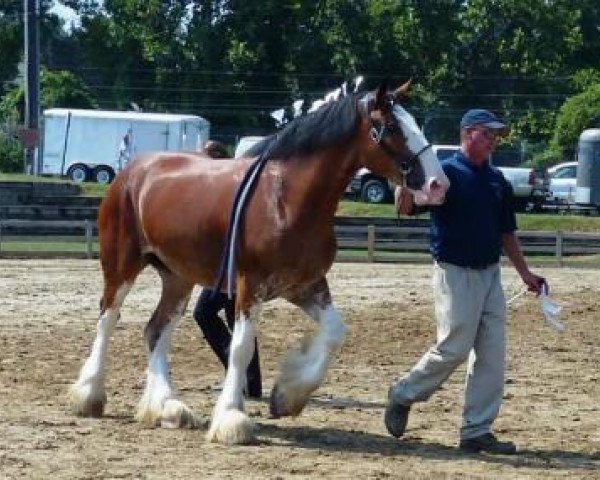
[[30, 134]]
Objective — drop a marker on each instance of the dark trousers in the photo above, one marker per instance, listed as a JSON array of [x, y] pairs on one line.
[[218, 334]]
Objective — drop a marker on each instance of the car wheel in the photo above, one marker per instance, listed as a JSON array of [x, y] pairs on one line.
[[374, 191], [78, 173], [103, 175]]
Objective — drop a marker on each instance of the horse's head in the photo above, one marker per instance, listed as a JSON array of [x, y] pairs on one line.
[[405, 155]]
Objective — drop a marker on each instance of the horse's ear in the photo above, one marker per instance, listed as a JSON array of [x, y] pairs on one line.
[[381, 96], [401, 92]]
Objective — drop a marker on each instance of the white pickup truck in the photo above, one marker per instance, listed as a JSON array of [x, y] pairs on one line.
[[530, 189]]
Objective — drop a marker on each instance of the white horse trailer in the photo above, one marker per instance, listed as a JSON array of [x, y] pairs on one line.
[[93, 145]]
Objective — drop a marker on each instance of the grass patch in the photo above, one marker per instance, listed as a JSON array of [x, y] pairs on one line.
[[525, 221], [89, 189], [42, 244]]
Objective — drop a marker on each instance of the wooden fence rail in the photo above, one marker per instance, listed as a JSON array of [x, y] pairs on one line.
[[366, 239]]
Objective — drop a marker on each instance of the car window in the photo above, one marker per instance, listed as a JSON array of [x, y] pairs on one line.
[[566, 172], [444, 153]]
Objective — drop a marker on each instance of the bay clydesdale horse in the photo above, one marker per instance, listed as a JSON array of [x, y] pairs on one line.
[[171, 211]]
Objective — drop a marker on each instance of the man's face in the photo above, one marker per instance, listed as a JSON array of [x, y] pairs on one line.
[[482, 142]]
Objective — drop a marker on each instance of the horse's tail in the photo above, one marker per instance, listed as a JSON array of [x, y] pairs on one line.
[[118, 238]]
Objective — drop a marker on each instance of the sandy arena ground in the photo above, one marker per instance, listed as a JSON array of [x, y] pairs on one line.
[[49, 308]]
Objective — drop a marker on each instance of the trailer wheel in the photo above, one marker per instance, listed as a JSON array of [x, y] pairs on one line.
[[103, 175], [78, 173]]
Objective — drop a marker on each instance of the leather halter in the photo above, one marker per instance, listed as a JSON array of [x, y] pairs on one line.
[[378, 135]]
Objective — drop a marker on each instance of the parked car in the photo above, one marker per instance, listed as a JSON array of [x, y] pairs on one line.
[[563, 182], [370, 188]]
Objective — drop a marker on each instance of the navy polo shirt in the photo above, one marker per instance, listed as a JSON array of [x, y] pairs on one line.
[[467, 229]]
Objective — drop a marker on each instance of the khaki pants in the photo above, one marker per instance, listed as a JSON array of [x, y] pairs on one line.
[[470, 311]]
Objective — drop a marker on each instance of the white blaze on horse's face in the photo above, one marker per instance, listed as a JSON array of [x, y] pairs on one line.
[[436, 183]]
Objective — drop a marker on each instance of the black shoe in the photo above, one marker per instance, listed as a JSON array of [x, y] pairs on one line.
[[396, 418], [487, 443]]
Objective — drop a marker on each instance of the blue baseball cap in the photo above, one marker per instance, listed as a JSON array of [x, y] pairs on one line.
[[478, 116]]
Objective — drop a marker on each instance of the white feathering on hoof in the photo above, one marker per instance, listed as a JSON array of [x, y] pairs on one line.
[[175, 414], [85, 402], [232, 428]]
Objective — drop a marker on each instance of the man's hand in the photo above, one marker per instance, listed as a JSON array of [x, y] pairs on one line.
[[535, 282], [403, 201]]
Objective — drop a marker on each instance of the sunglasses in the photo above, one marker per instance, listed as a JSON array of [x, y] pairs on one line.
[[488, 133]]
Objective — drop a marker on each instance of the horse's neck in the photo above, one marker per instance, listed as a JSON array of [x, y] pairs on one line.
[[320, 180]]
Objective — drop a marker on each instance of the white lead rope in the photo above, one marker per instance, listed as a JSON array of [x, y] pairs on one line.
[[550, 310], [514, 297]]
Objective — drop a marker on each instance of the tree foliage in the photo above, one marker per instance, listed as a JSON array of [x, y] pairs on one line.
[[577, 113], [234, 61]]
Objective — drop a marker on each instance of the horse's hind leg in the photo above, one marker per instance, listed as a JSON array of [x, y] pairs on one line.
[[87, 394], [158, 405], [303, 370]]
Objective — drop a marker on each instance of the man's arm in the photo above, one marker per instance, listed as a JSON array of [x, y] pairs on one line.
[[512, 249], [403, 201]]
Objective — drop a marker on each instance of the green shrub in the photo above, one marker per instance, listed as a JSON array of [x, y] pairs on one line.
[[11, 156]]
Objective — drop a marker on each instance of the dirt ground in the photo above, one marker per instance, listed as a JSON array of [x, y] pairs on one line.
[[49, 307]]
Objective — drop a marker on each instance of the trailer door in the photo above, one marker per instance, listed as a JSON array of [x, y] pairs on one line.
[[55, 140], [148, 136]]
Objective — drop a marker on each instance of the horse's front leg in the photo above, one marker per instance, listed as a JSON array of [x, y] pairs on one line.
[[303, 370], [230, 424]]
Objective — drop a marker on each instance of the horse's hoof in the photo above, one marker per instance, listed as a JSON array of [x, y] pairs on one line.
[[396, 418], [176, 414], [280, 406], [276, 403], [232, 428], [85, 405]]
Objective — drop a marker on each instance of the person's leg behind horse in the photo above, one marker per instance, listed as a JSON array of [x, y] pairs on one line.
[[213, 328], [218, 335]]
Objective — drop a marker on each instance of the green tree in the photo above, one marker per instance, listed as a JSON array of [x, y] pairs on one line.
[[11, 41], [57, 89], [578, 113]]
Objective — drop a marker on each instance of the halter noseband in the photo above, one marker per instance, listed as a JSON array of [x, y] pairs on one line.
[[377, 135]]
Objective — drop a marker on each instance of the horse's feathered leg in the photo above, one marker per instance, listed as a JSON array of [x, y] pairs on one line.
[[121, 263], [230, 425], [303, 370], [158, 405], [87, 394]]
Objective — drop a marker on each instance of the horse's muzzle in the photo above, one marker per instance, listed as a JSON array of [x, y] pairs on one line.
[[432, 193]]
